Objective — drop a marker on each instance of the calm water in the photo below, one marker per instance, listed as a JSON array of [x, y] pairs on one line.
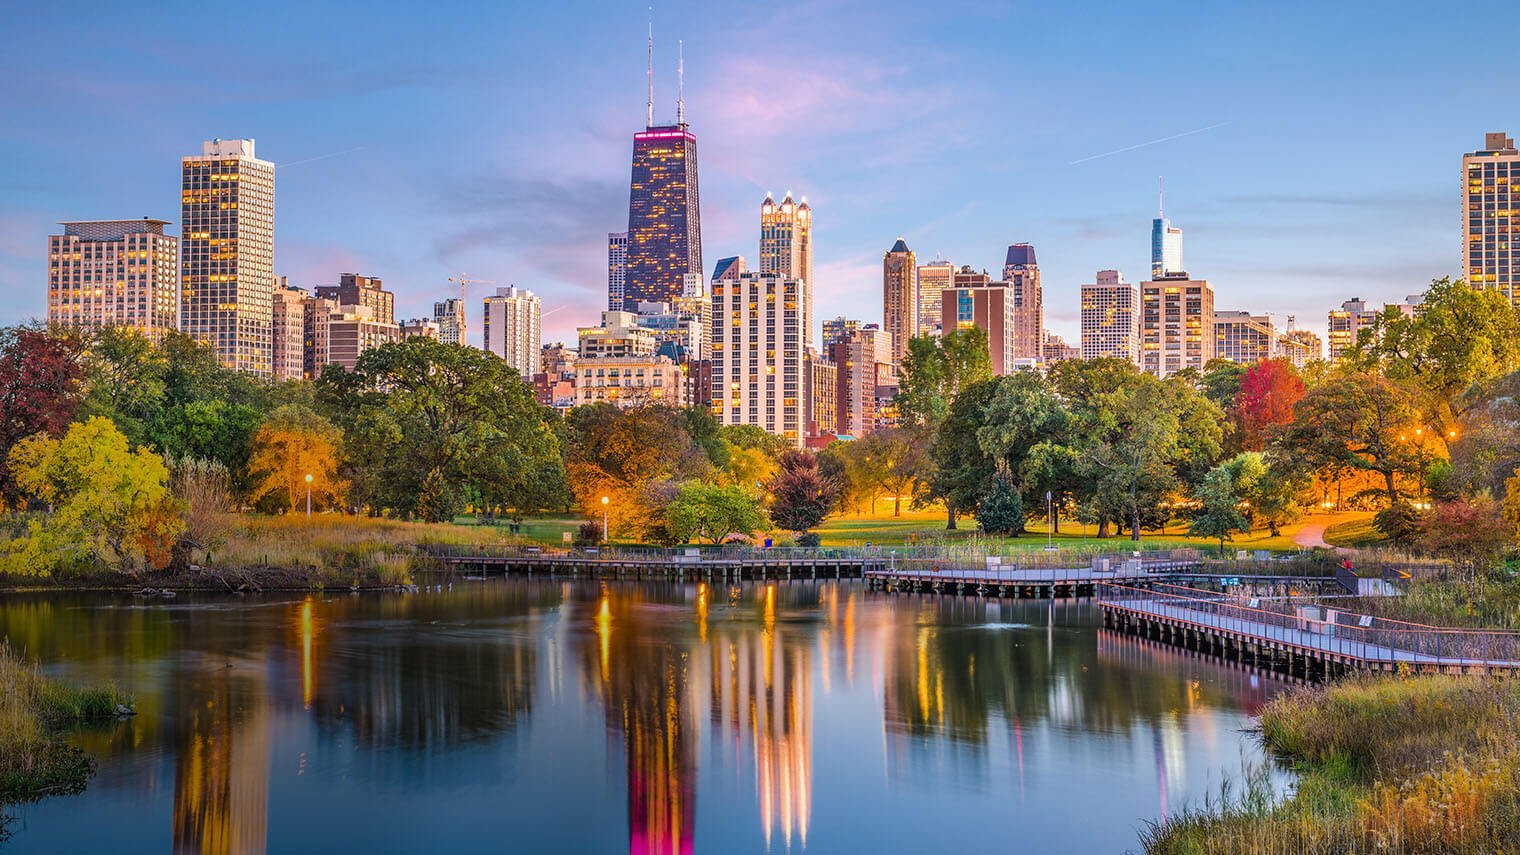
[[552, 717]]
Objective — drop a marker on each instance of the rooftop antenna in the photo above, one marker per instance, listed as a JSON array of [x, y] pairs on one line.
[[680, 82], [1161, 197], [649, 108]]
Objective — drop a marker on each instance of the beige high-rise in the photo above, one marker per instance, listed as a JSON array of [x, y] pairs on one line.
[[899, 297], [1176, 324], [1111, 318], [114, 273], [760, 372], [512, 324], [227, 254], [1491, 216], [1347, 323], [1022, 274], [933, 279], [288, 333]]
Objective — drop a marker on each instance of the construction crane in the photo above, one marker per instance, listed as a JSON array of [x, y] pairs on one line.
[[464, 281]]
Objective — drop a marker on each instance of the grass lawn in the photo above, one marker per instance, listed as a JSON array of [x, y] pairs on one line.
[[1356, 534], [928, 527]]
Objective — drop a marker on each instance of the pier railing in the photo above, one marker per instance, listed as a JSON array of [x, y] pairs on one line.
[[1292, 621]]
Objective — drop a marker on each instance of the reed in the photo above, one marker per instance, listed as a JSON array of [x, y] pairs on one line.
[[34, 759], [1399, 765]]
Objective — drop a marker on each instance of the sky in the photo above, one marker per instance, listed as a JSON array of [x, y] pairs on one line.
[[1311, 151]]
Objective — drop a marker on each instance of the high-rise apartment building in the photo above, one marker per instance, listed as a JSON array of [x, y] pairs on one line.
[[837, 328], [863, 370], [1491, 216], [760, 328], [1111, 318], [823, 394], [1022, 274], [420, 328], [1347, 323], [367, 291], [227, 253], [786, 242], [512, 324], [1176, 324], [619, 335], [316, 313], [1299, 347], [1244, 338], [899, 297], [449, 316], [1057, 350], [664, 249], [729, 269], [114, 273], [288, 332], [989, 307], [933, 279], [617, 269], [353, 329]]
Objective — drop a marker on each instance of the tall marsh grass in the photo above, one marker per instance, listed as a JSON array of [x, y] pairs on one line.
[[1405, 766], [34, 760]]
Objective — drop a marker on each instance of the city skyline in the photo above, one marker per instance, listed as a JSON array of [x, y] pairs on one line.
[[540, 222]]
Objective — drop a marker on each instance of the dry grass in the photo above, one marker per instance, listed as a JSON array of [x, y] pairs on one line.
[[1391, 765], [34, 760]]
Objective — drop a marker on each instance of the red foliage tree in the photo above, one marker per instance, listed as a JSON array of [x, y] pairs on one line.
[[1268, 391], [40, 373]]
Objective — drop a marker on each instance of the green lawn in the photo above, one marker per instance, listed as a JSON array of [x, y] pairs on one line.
[[1356, 534]]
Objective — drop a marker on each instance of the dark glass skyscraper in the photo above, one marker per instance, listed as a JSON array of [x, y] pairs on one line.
[[664, 217]]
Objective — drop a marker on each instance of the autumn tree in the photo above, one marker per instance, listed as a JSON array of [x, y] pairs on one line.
[[296, 451], [1268, 391], [40, 374], [1359, 422], [891, 461], [622, 453], [110, 506], [1471, 533], [801, 495]]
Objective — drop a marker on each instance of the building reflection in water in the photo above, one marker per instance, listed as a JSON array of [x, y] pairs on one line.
[[221, 760]]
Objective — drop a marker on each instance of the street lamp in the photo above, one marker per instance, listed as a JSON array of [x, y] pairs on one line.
[[605, 500], [308, 495]]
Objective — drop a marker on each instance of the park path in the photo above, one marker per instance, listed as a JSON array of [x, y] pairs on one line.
[[1312, 534]]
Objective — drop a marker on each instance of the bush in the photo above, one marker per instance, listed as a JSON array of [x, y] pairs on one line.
[[1400, 523], [809, 539], [1002, 511], [589, 534]]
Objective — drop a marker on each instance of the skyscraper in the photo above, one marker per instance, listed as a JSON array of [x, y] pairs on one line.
[[355, 290], [862, 357], [617, 269], [664, 253], [933, 278], [977, 302], [1491, 216], [1111, 318], [1244, 338], [786, 242], [760, 372], [512, 328], [449, 316], [1022, 274], [899, 297], [227, 253], [1176, 324], [1166, 244], [114, 273], [288, 334]]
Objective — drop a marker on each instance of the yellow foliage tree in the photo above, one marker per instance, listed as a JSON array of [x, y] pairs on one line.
[[294, 443], [108, 505]]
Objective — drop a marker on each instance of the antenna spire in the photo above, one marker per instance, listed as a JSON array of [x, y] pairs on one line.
[[1161, 197], [680, 82], [649, 105]]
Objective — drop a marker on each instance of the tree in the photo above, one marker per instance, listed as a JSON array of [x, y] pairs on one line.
[[40, 375], [1001, 512], [711, 513], [1399, 522], [1359, 422], [124, 376], [620, 453], [1472, 534], [1268, 391], [936, 370], [295, 444], [110, 506], [801, 496], [417, 407], [1024, 414], [1218, 514], [890, 460], [753, 438], [961, 472]]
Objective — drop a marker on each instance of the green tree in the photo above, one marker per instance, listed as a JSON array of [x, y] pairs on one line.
[[419, 408], [620, 453], [1025, 414], [110, 506], [1355, 421], [961, 471], [891, 461], [936, 370], [1218, 514], [711, 513], [1001, 511]]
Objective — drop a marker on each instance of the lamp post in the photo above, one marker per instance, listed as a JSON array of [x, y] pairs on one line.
[[308, 495], [605, 500]]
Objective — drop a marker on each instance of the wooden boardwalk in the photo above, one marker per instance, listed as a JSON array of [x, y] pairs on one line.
[[667, 565], [1299, 638]]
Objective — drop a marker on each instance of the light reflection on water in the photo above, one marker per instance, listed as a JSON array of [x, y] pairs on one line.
[[648, 718]]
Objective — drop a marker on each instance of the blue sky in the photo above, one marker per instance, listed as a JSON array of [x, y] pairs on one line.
[[418, 141]]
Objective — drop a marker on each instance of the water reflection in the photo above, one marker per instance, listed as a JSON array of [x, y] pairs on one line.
[[710, 708]]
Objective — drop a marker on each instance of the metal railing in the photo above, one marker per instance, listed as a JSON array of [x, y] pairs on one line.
[[1318, 627]]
